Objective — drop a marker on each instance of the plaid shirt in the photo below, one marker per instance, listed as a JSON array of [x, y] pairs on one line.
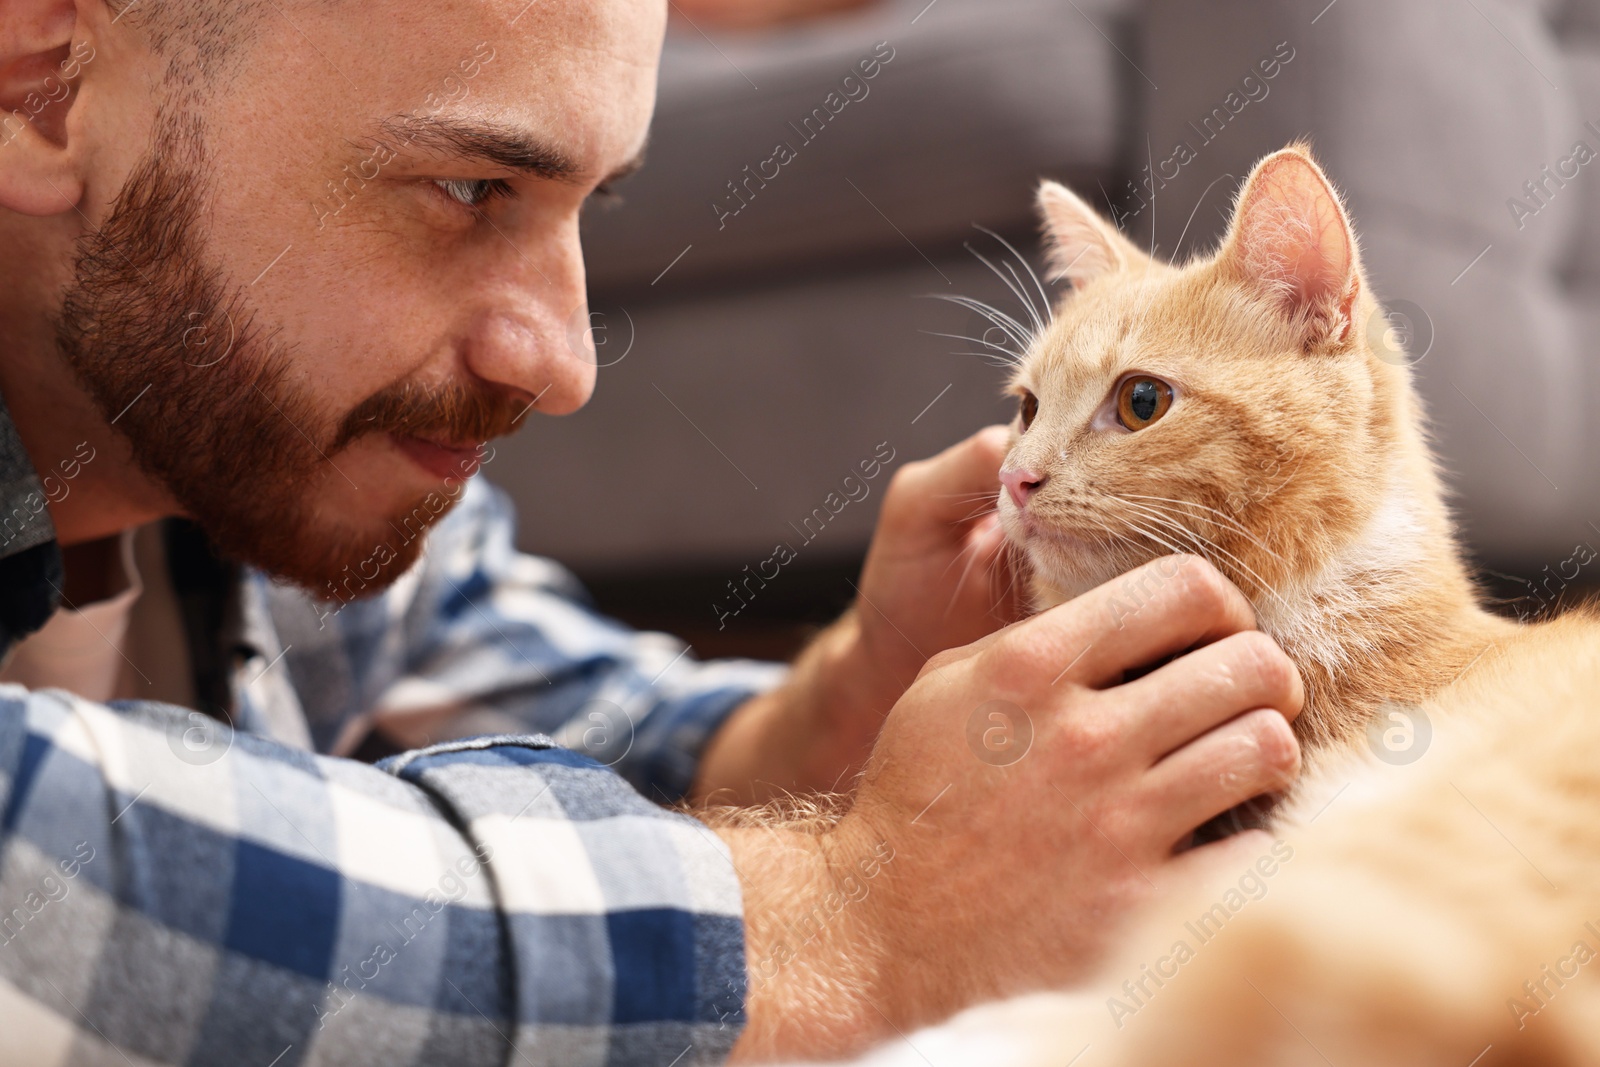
[[175, 891]]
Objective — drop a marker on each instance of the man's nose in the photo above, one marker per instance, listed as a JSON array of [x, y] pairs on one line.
[[531, 353], [1021, 483], [523, 337]]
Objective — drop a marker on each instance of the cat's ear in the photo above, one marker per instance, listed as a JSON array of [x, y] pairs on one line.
[[1292, 239], [1080, 245]]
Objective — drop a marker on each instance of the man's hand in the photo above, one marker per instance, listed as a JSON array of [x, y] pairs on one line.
[[961, 875], [938, 575]]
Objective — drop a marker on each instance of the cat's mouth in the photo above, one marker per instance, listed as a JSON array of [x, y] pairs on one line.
[[1028, 528], [1066, 559]]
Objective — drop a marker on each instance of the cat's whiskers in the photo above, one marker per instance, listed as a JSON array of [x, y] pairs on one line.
[[989, 494], [1044, 296], [1010, 554], [1019, 337], [1109, 543], [1119, 538], [992, 508], [1233, 523], [1016, 564], [971, 552], [1110, 546], [1019, 334], [1205, 545], [1176, 519], [971, 340], [1202, 546], [1179, 246], [1010, 358], [1152, 536], [1015, 286]]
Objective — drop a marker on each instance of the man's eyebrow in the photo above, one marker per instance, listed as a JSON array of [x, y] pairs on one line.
[[492, 143], [482, 141]]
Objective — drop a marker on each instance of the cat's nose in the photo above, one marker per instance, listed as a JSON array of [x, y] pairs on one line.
[[1021, 483]]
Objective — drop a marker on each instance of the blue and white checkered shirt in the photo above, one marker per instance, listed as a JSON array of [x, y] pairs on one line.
[[173, 891]]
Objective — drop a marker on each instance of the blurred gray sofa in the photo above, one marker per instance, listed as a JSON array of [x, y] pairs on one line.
[[758, 312]]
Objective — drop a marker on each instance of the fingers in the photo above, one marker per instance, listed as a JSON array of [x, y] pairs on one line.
[[1158, 610], [1185, 698], [1247, 757], [948, 488]]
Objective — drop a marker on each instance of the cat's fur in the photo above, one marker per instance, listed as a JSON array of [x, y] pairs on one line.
[[1293, 458], [1420, 896]]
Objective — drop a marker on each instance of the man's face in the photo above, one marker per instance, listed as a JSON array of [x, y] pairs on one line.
[[322, 275]]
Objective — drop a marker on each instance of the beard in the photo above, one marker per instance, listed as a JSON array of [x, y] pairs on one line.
[[182, 367]]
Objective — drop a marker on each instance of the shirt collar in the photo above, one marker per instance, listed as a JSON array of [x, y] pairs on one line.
[[30, 561], [24, 516]]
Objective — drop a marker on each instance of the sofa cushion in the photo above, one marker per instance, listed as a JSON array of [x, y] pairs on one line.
[[1431, 117], [967, 104]]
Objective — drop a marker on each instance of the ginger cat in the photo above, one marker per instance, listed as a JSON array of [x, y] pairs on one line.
[[1433, 906]]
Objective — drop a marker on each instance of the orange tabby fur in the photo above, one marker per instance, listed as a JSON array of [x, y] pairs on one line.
[[1293, 458], [1419, 897]]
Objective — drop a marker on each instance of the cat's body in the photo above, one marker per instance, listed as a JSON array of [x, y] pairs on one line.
[[1430, 879]]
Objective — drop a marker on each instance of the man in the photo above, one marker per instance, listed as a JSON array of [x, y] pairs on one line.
[[281, 269]]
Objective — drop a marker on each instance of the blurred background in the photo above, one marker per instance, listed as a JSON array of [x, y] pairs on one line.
[[759, 312]]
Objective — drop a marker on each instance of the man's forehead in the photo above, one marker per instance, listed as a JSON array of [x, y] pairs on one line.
[[572, 80], [552, 27]]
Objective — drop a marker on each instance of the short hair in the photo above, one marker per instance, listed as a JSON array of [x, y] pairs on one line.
[[196, 37]]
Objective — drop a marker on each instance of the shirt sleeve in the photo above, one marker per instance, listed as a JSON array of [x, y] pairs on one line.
[[172, 892], [499, 641]]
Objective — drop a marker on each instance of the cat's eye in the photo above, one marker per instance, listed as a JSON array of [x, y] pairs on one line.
[[1027, 409], [1142, 400]]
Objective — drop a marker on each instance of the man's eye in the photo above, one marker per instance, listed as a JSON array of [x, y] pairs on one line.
[[604, 198], [472, 192]]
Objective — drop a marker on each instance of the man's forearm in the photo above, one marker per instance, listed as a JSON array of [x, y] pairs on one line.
[[811, 734], [817, 962]]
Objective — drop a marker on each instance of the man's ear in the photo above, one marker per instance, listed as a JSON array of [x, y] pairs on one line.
[[1292, 241], [41, 59], [1080, 245]]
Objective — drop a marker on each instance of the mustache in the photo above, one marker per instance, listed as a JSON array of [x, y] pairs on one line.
[[453, 412]]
